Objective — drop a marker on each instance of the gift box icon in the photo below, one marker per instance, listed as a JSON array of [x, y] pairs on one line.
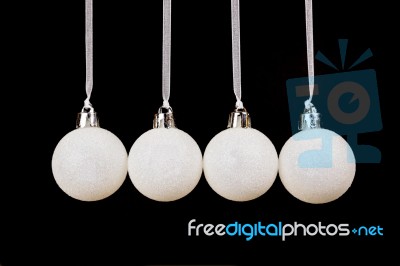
[[347, 100]]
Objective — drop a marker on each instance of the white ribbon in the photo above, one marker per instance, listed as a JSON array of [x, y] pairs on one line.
[[166, 52], [237, 78], [310, 50], [89, 51]]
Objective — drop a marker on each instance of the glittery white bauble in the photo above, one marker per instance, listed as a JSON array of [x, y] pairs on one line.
[[317, 165], [240, 164], [165, 164], [90, 163]]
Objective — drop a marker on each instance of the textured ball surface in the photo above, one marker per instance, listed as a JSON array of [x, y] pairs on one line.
[[317, 166], [90, 164], [240, 164], [165, 164]]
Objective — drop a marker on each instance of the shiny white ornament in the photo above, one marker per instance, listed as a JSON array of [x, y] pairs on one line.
[[89, 163], [317, 165], [240, 164], [165, 164]]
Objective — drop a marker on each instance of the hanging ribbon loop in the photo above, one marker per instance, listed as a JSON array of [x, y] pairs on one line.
[[89, 51], [166, 52], [237, 78], [310, 50]]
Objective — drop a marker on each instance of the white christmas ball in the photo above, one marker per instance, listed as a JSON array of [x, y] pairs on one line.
[[240, 164], [165, 164], [317, 166], [90, 163]]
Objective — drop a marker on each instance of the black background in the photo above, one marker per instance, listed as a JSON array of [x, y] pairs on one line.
[[39, 224]]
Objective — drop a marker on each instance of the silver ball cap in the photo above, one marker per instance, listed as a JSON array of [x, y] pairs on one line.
[[164, 118], [310, 118], [239, 118], [87, 118]]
